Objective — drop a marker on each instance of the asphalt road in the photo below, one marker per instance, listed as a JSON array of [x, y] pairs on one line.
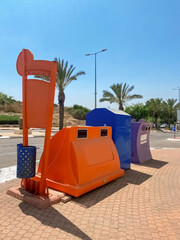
[[8, 147], [159, 140], [8, 150]]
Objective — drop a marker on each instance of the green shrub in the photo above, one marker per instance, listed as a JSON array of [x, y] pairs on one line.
[[77, 106], [78, 111], [79, 114], [5, 119]]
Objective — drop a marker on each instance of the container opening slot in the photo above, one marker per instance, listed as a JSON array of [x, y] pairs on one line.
[[82, 133], [104, 132]]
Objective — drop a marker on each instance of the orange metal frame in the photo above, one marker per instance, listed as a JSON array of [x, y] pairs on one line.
[[38, 102]]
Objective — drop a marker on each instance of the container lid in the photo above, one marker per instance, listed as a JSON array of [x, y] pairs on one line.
[[119, 112]]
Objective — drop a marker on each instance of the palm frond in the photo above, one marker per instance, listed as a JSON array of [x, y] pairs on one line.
[[46, 78], [74, 77], [65, 74], [134, 96], [130, 89], [80, 73], [108, 96]]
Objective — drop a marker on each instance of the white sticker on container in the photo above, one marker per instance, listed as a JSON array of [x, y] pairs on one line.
[[143, 138]]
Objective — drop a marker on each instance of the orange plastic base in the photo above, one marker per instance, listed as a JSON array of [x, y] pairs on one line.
[[82, 159], [77, 191]]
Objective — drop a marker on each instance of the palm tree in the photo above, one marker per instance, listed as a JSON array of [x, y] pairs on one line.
[[154, 106], [170, 107], [120, 96], [63, 78]]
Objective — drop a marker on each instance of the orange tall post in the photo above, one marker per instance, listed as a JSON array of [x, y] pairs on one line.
[[38, 102]]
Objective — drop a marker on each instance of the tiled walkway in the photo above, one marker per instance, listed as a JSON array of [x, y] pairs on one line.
[[144, 204]]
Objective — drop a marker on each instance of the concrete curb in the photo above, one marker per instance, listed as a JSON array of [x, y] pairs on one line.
[[174, 139], [30, 136], [7, 137]]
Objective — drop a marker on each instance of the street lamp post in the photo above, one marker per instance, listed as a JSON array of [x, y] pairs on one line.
[[178, 88], [178, 110], [89, 54]]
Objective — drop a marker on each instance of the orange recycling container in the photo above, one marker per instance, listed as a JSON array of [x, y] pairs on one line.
[[81, 159]]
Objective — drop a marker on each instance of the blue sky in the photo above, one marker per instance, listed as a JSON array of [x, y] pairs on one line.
[[142, 38]]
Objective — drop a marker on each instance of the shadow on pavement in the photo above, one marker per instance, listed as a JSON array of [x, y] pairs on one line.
[[91, 198], [130, 177], [51, 217], [135, 177], [153, 163]]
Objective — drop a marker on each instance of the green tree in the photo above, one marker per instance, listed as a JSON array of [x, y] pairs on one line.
[[63, 79], [5, 99], [154, 106], [137, 111], [120, 94], [169, 112]]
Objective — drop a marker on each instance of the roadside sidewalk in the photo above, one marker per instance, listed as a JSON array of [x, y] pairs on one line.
[[9, 133]]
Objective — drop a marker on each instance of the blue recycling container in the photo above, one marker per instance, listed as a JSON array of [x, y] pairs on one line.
[[121, 130], [26, 161]]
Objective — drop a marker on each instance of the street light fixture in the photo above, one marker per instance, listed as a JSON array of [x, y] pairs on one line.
[[89, 54]]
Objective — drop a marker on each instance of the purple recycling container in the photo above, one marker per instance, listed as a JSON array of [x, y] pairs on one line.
[[140, 147]]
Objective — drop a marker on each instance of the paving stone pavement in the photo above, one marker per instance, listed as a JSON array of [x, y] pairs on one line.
[[144, 204]]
